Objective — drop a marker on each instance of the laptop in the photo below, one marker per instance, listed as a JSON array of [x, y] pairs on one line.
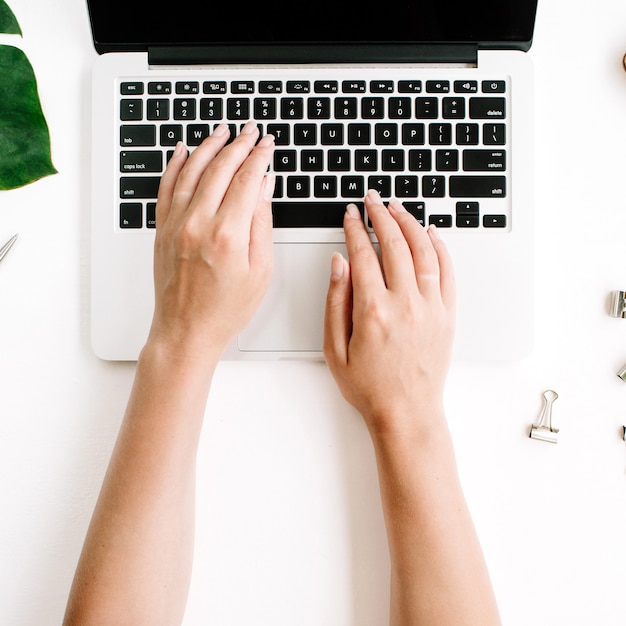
[[427, 101]]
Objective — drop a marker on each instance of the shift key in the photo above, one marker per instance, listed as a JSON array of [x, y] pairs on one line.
[[143, 187], [478, 186]]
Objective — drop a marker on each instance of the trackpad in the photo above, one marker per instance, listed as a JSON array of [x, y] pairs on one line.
[[291, 316]]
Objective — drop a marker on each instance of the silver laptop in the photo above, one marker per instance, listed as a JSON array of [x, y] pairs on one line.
[[425, 101]]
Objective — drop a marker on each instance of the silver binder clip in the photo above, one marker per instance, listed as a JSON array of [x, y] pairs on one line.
[[618, 304], [543, 429]]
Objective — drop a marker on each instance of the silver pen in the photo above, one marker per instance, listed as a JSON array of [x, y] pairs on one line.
[[6, 247]]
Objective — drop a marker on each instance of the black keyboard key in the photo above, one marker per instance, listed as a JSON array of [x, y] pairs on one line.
[[359, 134], [409, 86], [494, 221], [285, 160], [265, 108], [298, 186], [381, 86], [135, 161], [131, 215], [282, 136], [238, 108], [318, 108], [365, 160], [417, 210], [292, 108], [484, 160], [298, 86], [325, 186], [478, 186], [392, 160], [187, 87], [420, 160], [437, 86], [270, 86], [161, 87], [406, 186], [185, 109], [440, 134], [413, 134], [373, 108], [454, 108], [493, 86], [467, 208], [353, 86], [399, 108], [308, 214], [331, 134], [131, 89], [138, 136], [352, 186], [171, 134], [440, 221], [325, 86], [467, 134], [426, 108], [386, 134], [242, 86], [312, 160], [494, 134], [382, 184], [151, 214], [433, 186], [158, 109], [346, 108], [467, 221], [211, 108], [338, 160], [131, 109], [487, 108], [305, 134], [214, 86], [197, 133], [141, 187], [447, 160], [465, 86]]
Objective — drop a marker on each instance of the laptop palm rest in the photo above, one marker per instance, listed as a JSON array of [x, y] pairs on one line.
[[291, 316]]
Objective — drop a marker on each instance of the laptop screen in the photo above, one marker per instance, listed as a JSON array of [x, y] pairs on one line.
[[138, 24]]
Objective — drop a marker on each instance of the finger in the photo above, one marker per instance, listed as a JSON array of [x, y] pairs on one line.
[[261, 247], [395, 253], [168, 183], [195, 167], [446, 268], [365, 270], [338, 313], [425, 260], [219, 173], [246, 183]]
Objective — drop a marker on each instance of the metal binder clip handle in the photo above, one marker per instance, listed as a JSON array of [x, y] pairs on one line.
[[543, 429], [618, 304]]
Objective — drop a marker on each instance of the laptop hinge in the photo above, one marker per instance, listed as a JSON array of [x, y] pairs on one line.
[[320, 53]]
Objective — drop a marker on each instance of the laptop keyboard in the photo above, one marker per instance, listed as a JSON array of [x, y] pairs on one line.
[[440, 146]]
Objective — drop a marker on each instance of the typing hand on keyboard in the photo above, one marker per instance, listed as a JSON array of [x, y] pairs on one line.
[[213, 245]]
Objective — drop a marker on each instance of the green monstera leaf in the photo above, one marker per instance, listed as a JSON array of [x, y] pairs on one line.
[[24, 136]]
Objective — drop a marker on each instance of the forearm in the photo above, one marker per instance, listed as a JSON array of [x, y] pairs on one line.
[[137, 557], [438, 571]]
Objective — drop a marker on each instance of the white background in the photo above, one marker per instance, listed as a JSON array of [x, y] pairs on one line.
[[290, 527]]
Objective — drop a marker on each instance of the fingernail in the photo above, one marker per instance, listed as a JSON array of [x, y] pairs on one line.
[[397, 206], [434, 232], [353, 211], [249, 128], [374, 195], [219, 130], [270, 183], [266, 140], [337, 266], [179, 149]]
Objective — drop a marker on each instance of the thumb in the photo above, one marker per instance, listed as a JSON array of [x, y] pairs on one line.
[[338, 314]]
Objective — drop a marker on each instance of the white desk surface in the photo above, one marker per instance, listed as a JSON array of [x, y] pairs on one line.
[[290, 527]]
